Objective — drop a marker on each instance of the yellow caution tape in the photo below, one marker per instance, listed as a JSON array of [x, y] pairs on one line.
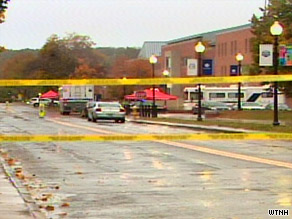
[[148, 81], [173, 137]]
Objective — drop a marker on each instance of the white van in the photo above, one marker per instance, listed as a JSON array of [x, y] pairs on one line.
[[36, 101]]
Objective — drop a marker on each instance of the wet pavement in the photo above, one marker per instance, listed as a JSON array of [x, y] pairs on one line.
[[11, 203], [161, 179]]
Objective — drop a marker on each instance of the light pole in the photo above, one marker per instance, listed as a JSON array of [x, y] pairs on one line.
[[153, 61], [200, 48], [276, 30], [124, 87], [165, 74], [239, 58]]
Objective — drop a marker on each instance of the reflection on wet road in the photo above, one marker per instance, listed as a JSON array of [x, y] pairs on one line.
[[193, 179]]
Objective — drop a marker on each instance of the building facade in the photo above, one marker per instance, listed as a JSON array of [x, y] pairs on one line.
[[180, 59]]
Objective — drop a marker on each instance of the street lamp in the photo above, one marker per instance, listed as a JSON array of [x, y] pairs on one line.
[[239, 58], [153, 61], [200, 48], [165, 74], [124, 87], [276, 30]]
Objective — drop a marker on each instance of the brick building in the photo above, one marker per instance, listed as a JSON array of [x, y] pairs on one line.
[[221, 47]]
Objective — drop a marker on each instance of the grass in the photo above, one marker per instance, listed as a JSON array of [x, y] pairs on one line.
[[268, 115], [251, 120]]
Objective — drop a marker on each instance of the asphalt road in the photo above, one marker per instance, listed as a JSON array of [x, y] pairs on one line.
[[162, 179]]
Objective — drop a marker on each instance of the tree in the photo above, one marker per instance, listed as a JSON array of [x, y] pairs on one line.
[[17, 66], [3, 8], [280, 10], [2, 49], [56, 59], [71, 56], [85, 70]]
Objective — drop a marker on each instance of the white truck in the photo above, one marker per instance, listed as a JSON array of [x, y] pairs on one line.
[[73, 98]]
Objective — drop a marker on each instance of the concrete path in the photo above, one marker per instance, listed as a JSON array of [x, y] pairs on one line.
[[11, 203]]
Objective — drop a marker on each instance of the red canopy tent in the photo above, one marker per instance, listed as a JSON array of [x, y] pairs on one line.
[[147, 94], [50, 94]]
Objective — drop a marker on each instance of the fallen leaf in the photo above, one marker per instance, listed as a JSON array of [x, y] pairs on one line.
[[66, 204], [11, 161], [50, 208], [78, 173]]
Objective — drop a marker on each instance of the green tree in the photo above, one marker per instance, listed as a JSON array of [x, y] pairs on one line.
[[56, 60], [67, 57], [280, 10]]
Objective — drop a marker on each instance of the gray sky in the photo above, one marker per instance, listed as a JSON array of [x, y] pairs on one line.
[[119, 23]]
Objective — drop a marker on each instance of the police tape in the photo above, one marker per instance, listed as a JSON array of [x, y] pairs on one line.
[[147, 81], [152, 137]]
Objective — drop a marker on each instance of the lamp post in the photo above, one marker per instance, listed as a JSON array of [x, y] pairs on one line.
[[165, 74], [200, 48], [276, 30], [124, 87], [153, 61], [239, 58]]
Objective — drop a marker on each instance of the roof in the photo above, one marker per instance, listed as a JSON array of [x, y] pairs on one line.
[[211, 35], [159, 95], [151, 48]]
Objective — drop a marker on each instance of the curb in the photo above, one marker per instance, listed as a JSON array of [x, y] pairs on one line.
[[197, 127], [23, 193]]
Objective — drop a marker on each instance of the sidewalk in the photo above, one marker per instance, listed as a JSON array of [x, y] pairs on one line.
[[189, 126], [194, 117], [11, 203]]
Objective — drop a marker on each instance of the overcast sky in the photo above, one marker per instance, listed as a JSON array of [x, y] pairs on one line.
[[119, 23]]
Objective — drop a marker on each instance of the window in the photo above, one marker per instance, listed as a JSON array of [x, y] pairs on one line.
[[267, 95], [219, 47], [235, 47], [246, 45], [250, 44], [231, 50], [235, 95], [168, 62], [222, 49], [185, 61], [216, 95], [195, 96]]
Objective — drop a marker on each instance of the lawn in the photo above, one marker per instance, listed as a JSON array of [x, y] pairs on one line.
[[251, 120], [285, 116]]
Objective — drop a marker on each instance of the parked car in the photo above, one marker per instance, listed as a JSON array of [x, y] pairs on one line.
[[249, 106], [281, 106], [84, 112], [211, 105], [56, 102], [105, 111], [36, 101]]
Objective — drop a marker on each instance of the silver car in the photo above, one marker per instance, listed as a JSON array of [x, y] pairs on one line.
[[106, 111]]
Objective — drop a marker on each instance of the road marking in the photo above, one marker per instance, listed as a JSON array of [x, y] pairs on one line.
[[229, 154], [197, 148], [83, 127]]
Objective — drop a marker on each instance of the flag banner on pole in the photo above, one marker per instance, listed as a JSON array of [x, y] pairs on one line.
[[285, 55], [266, 55], [192, 67]]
